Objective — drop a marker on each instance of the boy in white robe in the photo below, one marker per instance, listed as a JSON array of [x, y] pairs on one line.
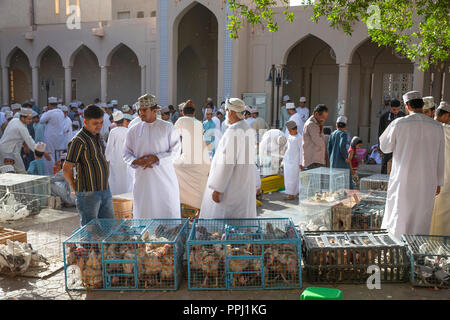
[[292, 161], [150, 148]]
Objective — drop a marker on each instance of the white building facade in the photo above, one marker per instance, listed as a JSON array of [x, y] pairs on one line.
[[180, 49]]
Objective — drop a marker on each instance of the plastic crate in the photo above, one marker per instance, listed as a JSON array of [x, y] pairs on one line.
[[272, 184], [430, 260], [117, 254], [245, 254], [344, 257], [25, 190]]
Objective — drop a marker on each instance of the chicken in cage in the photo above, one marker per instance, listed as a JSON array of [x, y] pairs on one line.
[[243, 254], [430, 260], [115, 254], [323, 185], [22, 195]]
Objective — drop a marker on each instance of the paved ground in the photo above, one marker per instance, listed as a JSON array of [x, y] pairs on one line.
[[47, 231]]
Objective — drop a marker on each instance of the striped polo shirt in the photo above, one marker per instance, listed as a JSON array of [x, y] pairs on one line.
[[87, 152]]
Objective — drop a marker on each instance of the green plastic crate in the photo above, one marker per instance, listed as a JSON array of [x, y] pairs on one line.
[[317, 293]]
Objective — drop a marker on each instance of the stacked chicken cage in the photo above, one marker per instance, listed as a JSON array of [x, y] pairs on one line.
[[244, 254], [375, 186], [22, 195], [352, 257], [430, 260], [116, 254], [361, 211], [320, 190]]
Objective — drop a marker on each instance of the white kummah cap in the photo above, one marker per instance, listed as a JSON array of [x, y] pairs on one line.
[[291, 124], [444, 105], [64, 109], [9, 156], [52, 100], [4, 109], [342, 119], [147, 100], [117, 116], [73, 105], [220, 111], [32, 100], [60, 100], [286, 98], [290, 105], [281, 140], [411, 95], [109, 105], [126, 108], [135, 106], [248, 108], [302, 99], [210, 99], [16, 106], [128, 116], [40, 146], [255, 110], [35, 114], [101, 105], [114, 102], [45, 108], [428, 102], [165, 109], [235, 104], [26, 112]]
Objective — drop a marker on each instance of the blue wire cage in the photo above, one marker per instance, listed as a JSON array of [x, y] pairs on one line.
[[126, 254], [430, 260], [245, 254]]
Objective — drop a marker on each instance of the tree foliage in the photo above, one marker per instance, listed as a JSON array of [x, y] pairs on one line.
[[417, 29]]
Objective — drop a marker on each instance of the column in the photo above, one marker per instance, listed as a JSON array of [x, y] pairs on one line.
[[104, 82], [143, 78], [342, 89], [68, 84], [418, 79], [367, 84], [5, 85], [35, 83]]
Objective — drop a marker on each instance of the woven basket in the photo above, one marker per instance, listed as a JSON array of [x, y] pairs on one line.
[[12, 235], [123, 209]]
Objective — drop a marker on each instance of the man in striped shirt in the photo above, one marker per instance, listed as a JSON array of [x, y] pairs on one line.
[[86, 152]]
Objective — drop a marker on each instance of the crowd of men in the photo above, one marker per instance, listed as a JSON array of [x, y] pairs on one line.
[[166, 157]]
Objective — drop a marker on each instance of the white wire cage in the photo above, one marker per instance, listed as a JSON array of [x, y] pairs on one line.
[[22, 195], [315, 218], [323, 186], [376, 184]]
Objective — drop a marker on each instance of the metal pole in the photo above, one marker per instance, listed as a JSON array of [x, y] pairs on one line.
[[272, 96]]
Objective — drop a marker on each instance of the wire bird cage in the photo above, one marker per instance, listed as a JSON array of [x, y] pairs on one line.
[[323, 185], [345, 257], [360, 212], [245, 254], [315, 218], [430, 260], [20, 191], [126, 254], [375, 185]]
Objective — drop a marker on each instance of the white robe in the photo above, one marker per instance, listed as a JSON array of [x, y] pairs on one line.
[[440, 224], [16, 133], [54, 134], [298, 120], [250, 121], [292, 162], [192, 167], [233, 175], [417, 143], [155, 193], [304, 115], [120, 173], [270, 152], [134, 122], [104, 132], [67, 132]]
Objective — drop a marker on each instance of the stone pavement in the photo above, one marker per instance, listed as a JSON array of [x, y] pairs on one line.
[[50, 228]]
